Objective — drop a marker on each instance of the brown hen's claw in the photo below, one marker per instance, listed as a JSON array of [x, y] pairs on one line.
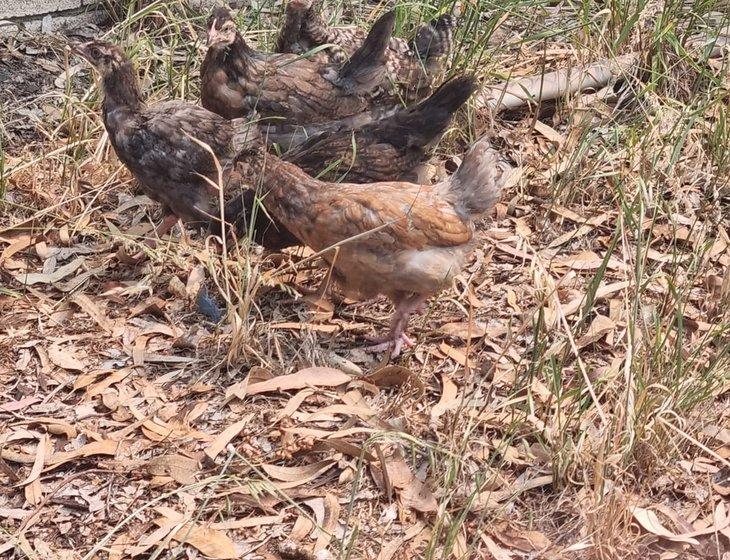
[[395, 345]]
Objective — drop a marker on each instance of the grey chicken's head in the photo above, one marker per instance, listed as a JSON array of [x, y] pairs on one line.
[[103, 56], [221, 28]]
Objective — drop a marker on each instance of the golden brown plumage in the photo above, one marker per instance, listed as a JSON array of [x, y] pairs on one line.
[[402, 240]]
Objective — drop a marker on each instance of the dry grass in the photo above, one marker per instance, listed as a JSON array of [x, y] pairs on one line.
[[564, 400]]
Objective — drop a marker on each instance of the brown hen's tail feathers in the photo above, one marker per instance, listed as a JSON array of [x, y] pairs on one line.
[[477, 185]]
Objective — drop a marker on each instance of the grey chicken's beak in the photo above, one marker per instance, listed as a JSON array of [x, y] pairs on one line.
[[214, 35], [222, 35], [79, 49]]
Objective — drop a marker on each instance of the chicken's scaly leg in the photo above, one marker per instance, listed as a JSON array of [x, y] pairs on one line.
[[396, 338], [168, 222]]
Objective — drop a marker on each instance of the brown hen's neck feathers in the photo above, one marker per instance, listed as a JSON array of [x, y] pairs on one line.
[[121, 89]]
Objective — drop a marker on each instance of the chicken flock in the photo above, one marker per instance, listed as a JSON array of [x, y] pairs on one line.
[[323, 140]]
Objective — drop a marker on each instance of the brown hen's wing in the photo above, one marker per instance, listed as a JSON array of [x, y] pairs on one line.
[[390, 218]]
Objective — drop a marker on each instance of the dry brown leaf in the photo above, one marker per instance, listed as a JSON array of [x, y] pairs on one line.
[[103, 447], [455, 354], [297, 474], [395, 376], [449, 398], [600, 327], [20, 244], [180, 468], [310, 377], [346, 448], [108, 381], [30, 279], [93, 311], [64, 358], [303, 526], [247, 522], [527, 541], [212, 543], [389, 550], [54, 426], [314, 327], [330, 523], [649, 521], [549, 132], [497, 552], [195, 281], [293, 404], [14, 406], [413, 493], [225, 437], [40, 460], [464, 331], [602, 292]]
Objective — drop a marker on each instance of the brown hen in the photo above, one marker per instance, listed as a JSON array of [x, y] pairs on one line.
[[402, 240], [413, 65], [236, 79], [382, 150]]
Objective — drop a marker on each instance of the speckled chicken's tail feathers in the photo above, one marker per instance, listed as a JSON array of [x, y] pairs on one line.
[[477, 185], [426, 122], [436, 38], [366, 70]]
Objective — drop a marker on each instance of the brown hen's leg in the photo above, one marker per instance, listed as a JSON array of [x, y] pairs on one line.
[[396, 338]]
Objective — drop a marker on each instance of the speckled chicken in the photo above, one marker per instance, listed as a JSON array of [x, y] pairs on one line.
[[387, 148], [160, 143], [403, 240], [412, 65], [236, 79]]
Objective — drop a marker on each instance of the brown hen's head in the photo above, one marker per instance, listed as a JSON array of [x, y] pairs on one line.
[[221, 28], [105, 57]]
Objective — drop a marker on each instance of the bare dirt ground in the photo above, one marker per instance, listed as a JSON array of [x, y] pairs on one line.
[[568, 399]]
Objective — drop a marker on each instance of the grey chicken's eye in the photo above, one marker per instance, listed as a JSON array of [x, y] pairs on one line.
[[96, 53]]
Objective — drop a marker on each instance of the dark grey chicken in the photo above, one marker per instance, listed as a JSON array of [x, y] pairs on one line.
[[161, 143]]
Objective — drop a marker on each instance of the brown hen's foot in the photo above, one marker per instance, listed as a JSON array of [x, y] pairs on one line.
[[395, 345]]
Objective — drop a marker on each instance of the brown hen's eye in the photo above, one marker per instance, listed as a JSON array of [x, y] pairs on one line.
[[96, 53]]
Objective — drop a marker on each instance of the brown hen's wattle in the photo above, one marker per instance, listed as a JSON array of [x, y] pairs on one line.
[[412, 65], [402, 240], [237, 79], [166, 145]]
